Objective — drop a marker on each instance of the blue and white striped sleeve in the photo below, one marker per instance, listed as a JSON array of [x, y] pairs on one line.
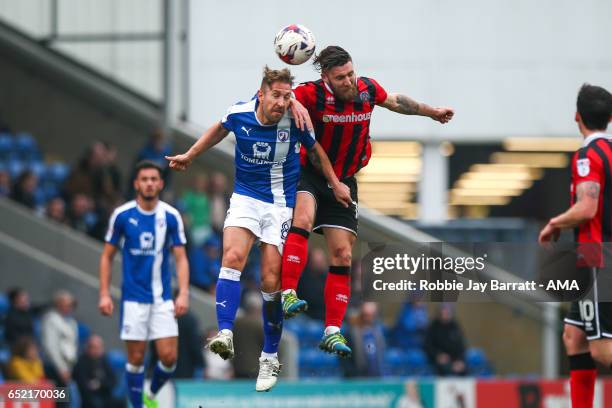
[[115, 228], [176, 229]]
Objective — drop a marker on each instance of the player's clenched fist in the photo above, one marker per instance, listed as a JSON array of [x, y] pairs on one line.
[[443, 115], [179, 162], [106, 305]]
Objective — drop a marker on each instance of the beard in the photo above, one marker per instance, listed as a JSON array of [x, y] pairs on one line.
[[346, 94], [147, 197]]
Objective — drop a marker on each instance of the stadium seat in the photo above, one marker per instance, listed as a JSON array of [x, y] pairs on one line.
[[15, 167], [477, 363], [316, 364], [4, 305], [5, 355], [117, 359], [26, 148], [6, 146], [57, 172], [84, 333]]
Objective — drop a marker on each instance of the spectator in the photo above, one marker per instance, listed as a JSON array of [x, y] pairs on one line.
[[156, 151], [94, 376], [205, 263], [216, 367], [248, 337], [24, 190], [5, 183], [106, 178], [368, 339], [19, 320], [60, 337], [445, 343], [219, 200], [197, 210], [81, 178], [56, 210], [311, 286], [81, 215], [25, 364]]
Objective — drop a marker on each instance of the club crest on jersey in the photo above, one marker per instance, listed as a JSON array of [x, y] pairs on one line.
[[261, 150], [330, 100], [161, 223], [282, 135], [364, 96], [584, 167]]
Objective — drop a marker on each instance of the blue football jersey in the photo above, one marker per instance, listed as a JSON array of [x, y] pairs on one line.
[[267, 156], [145, 238]]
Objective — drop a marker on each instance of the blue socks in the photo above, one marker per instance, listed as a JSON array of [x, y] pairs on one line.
[[228, 297], [272, 313], [161, 374], [135, 381]]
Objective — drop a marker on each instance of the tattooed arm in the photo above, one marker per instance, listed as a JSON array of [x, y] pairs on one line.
[[320, 161], [407, 106], [585, 208]]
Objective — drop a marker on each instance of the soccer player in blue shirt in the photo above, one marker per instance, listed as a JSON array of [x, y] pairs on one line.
[[146, 230], [267, 171]]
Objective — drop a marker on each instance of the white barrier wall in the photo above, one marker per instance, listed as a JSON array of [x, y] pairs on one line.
[[510, 68]]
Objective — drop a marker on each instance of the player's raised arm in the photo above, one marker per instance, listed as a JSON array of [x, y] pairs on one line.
[[407, 106], [209, 138], [320, 161], [105, 304]]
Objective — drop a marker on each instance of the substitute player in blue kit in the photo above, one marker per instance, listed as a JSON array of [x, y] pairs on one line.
[[267, 172], [147, 230]]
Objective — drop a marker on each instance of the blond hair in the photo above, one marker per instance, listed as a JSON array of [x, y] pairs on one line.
[[276, 75]]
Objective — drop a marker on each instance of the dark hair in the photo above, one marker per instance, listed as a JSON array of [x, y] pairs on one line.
[[21, 345], [13, 293], [330, 57], [147, 164], [276, 75], [594, 106]]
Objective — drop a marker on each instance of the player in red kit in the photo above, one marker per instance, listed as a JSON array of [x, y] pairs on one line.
[[587, 334], [340, 105]]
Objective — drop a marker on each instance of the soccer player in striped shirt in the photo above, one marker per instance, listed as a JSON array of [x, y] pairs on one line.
[[340, 105], [587, 333]]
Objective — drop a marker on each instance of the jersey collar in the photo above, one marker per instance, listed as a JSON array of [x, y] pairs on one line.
[[594, 136], [145, 212]]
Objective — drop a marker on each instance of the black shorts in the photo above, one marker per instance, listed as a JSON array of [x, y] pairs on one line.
[[329, 212], [591, 315]]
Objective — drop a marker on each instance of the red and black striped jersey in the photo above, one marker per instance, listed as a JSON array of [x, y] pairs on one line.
[[592, 163], [342, 128]]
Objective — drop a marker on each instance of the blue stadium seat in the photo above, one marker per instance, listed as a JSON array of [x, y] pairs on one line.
[[311, 334], [5, 355], [4, 305], [15, 167], [477, 363], [57, 172], [316, 364], [7, 144], [26, 147], [84, 333]]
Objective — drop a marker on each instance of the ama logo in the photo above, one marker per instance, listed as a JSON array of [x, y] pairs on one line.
[[146, 240], [261, 150]]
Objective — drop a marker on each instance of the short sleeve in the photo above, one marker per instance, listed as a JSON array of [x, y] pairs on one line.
[[305, 94], [115, 228], [587, 166], [381, 93], [306, 138], [176, 230], [227, 120]]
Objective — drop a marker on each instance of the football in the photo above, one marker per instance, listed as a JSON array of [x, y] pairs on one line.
[[294, 44]]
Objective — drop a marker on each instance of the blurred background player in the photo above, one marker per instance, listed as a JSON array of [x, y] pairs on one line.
[[340, 104], [588, 325], [149, 229], [267, 172]]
